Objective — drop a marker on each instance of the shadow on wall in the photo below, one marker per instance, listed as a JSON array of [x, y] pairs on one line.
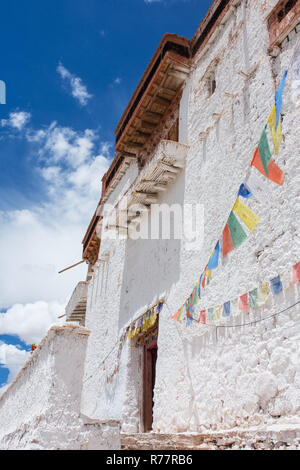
[[151, 266]]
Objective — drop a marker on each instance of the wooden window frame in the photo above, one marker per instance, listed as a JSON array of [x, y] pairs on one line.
[[282, 20]]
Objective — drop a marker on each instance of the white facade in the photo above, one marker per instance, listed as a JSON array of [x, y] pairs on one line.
[[208, 379], [247, 376]]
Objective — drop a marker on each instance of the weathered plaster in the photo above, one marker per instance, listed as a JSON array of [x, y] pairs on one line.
[[41, 408]]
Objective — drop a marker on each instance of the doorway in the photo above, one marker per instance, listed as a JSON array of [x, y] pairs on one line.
[[150, 358]]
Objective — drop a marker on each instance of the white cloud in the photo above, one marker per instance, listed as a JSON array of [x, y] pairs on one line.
[[78, 89], [16, 120], [62, 144], [30, 322], [13, 359], [36, 243]]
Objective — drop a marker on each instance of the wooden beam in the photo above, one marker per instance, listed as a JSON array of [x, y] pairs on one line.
[[145, 193], [181, 68], [152, 115], [169, 168], [131, 147], [170, 176], [129, 155], [160, 187], [161, 101], [165, 90], [176, 74], [151, 200], [134, 144], [148, 125], [70, 267], [143, 135]]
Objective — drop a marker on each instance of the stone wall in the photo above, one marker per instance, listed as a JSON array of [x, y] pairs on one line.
[[41, 408]]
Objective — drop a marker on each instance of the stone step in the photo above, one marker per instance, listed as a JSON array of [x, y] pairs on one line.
[[264, 438], [155, 441]]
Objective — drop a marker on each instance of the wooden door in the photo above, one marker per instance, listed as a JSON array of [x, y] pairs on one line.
[[150, 357]]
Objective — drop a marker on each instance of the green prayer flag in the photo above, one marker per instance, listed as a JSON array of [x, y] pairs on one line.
[[253, 295], [264, 151], [195, 296], [237, 232], [211, 314]]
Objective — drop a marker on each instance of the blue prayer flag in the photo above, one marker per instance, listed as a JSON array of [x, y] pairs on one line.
[[278, 97], [189, 317], [276, 285], [244, 191], [159, 307], [227, 309], [214, 260], [199, 288]]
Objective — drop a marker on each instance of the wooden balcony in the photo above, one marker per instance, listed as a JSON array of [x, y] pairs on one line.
[[162, 170], [282, 20], [161, 82]]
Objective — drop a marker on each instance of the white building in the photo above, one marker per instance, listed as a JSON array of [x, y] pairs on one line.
[[186, 139]]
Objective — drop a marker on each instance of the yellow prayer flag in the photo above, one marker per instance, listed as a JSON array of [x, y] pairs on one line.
[[152, 318], [180, 313], [145, 323], [246, 214], [275, 133], [208, 274], [218, 312], [263, 293], [131, 332]]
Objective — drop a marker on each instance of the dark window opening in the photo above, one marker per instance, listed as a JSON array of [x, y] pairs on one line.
[[286, 9], [211, 85]]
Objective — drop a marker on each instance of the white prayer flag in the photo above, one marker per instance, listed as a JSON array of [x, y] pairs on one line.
[[259, 187]]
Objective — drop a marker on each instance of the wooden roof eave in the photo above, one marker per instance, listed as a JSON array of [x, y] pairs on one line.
[[172, 38], [174, 59]]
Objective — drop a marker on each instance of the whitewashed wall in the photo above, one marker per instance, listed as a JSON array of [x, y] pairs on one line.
[[249, 376], [41, 408]]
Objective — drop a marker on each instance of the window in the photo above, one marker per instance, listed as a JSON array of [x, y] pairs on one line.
[[282, 20], [209, 77], [286, 9], [212, 85]]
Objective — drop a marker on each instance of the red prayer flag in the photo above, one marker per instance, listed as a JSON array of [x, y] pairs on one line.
[[227, 241], [204, 276], [296, 272], [275, 173], [175, 317], [244, 302], [202, 317]]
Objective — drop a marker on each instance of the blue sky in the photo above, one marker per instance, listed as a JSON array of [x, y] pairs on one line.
[[70, 68]]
